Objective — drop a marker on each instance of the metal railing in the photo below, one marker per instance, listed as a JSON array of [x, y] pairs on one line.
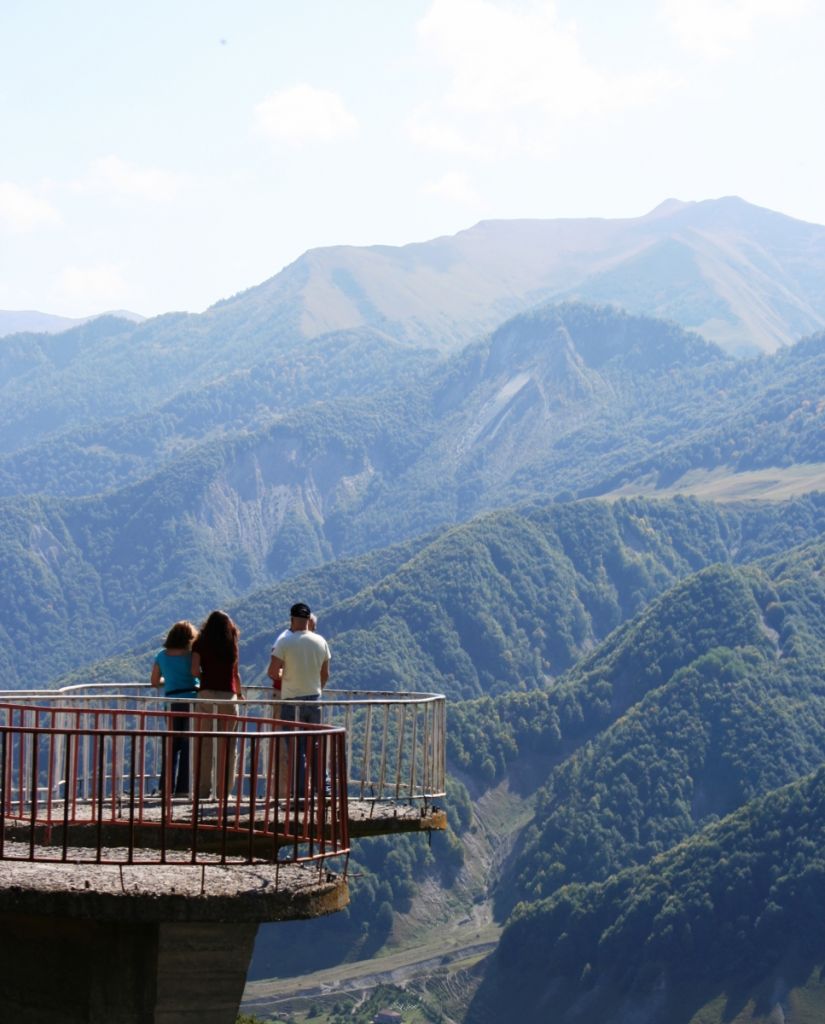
[[395, 742], [83, 783]]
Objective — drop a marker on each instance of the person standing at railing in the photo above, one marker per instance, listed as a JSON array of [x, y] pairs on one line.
[[278, 680], [215, 661], [300, 660], [172, 670]]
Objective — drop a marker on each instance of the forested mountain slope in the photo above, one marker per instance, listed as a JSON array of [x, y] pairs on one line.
[[729, 920], [712, 695], [111, 403], [773, 418], [721, 707], [503, 602], [545, 374], [551, 403]]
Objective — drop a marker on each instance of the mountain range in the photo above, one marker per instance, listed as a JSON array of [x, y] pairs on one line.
[[561, 402], [742, 276], [29, 321], [464, 453]]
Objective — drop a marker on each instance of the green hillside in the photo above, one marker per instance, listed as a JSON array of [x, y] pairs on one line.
[[730, 916], [772, 420], [92, 440], [742, 713], [710, 696], [506, 602], [549, 405]]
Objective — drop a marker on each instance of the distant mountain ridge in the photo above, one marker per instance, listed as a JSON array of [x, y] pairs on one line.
[[32, 322], [745, 277]]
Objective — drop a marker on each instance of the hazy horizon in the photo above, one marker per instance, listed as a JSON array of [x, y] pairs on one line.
[[204, 148]]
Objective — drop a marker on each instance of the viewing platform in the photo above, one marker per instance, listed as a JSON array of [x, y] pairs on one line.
[[97, 852]]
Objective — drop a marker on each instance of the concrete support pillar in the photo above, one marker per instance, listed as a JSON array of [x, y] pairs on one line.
[[80, 971], [201, 972]]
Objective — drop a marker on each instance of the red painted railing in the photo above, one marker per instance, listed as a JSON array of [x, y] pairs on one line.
[[81, 785]]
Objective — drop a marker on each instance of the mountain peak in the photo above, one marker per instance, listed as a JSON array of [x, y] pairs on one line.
[[667, 208], [700, 263]]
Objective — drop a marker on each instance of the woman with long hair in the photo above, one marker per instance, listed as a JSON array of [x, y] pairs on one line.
[[172, 669], [215, 661]]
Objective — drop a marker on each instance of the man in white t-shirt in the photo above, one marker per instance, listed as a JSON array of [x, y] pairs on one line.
[[300, 661], [300, 658]]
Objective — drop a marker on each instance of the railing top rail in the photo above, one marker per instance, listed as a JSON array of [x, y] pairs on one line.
[[257, 694], [109, 716]]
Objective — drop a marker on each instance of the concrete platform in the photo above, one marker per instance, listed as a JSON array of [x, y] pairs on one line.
[[379, 818], [142, 944], [170, 892], [157, 943], [228, 832]]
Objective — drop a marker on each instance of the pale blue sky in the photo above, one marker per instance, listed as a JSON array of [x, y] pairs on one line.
[[164, 155]]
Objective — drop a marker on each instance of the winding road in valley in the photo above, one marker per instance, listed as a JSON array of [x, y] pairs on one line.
[[394, 969]]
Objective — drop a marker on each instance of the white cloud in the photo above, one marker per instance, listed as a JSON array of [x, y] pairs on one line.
[[715, 28], [304, 114], [454, 187], [111, 174], [22, 211], [93, 288], [427, 129], [502, 57], [515, 76]]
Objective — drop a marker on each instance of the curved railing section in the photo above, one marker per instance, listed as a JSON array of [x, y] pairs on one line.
[[88, 779], [395, 742]]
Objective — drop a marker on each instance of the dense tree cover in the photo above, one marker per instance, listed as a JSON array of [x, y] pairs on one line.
[[110, 444], [548, 403], [714, 694], [711, 609], [726, 903], [717, 608], [768, 419], [727, 728], [262, 615], [503, 603]]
